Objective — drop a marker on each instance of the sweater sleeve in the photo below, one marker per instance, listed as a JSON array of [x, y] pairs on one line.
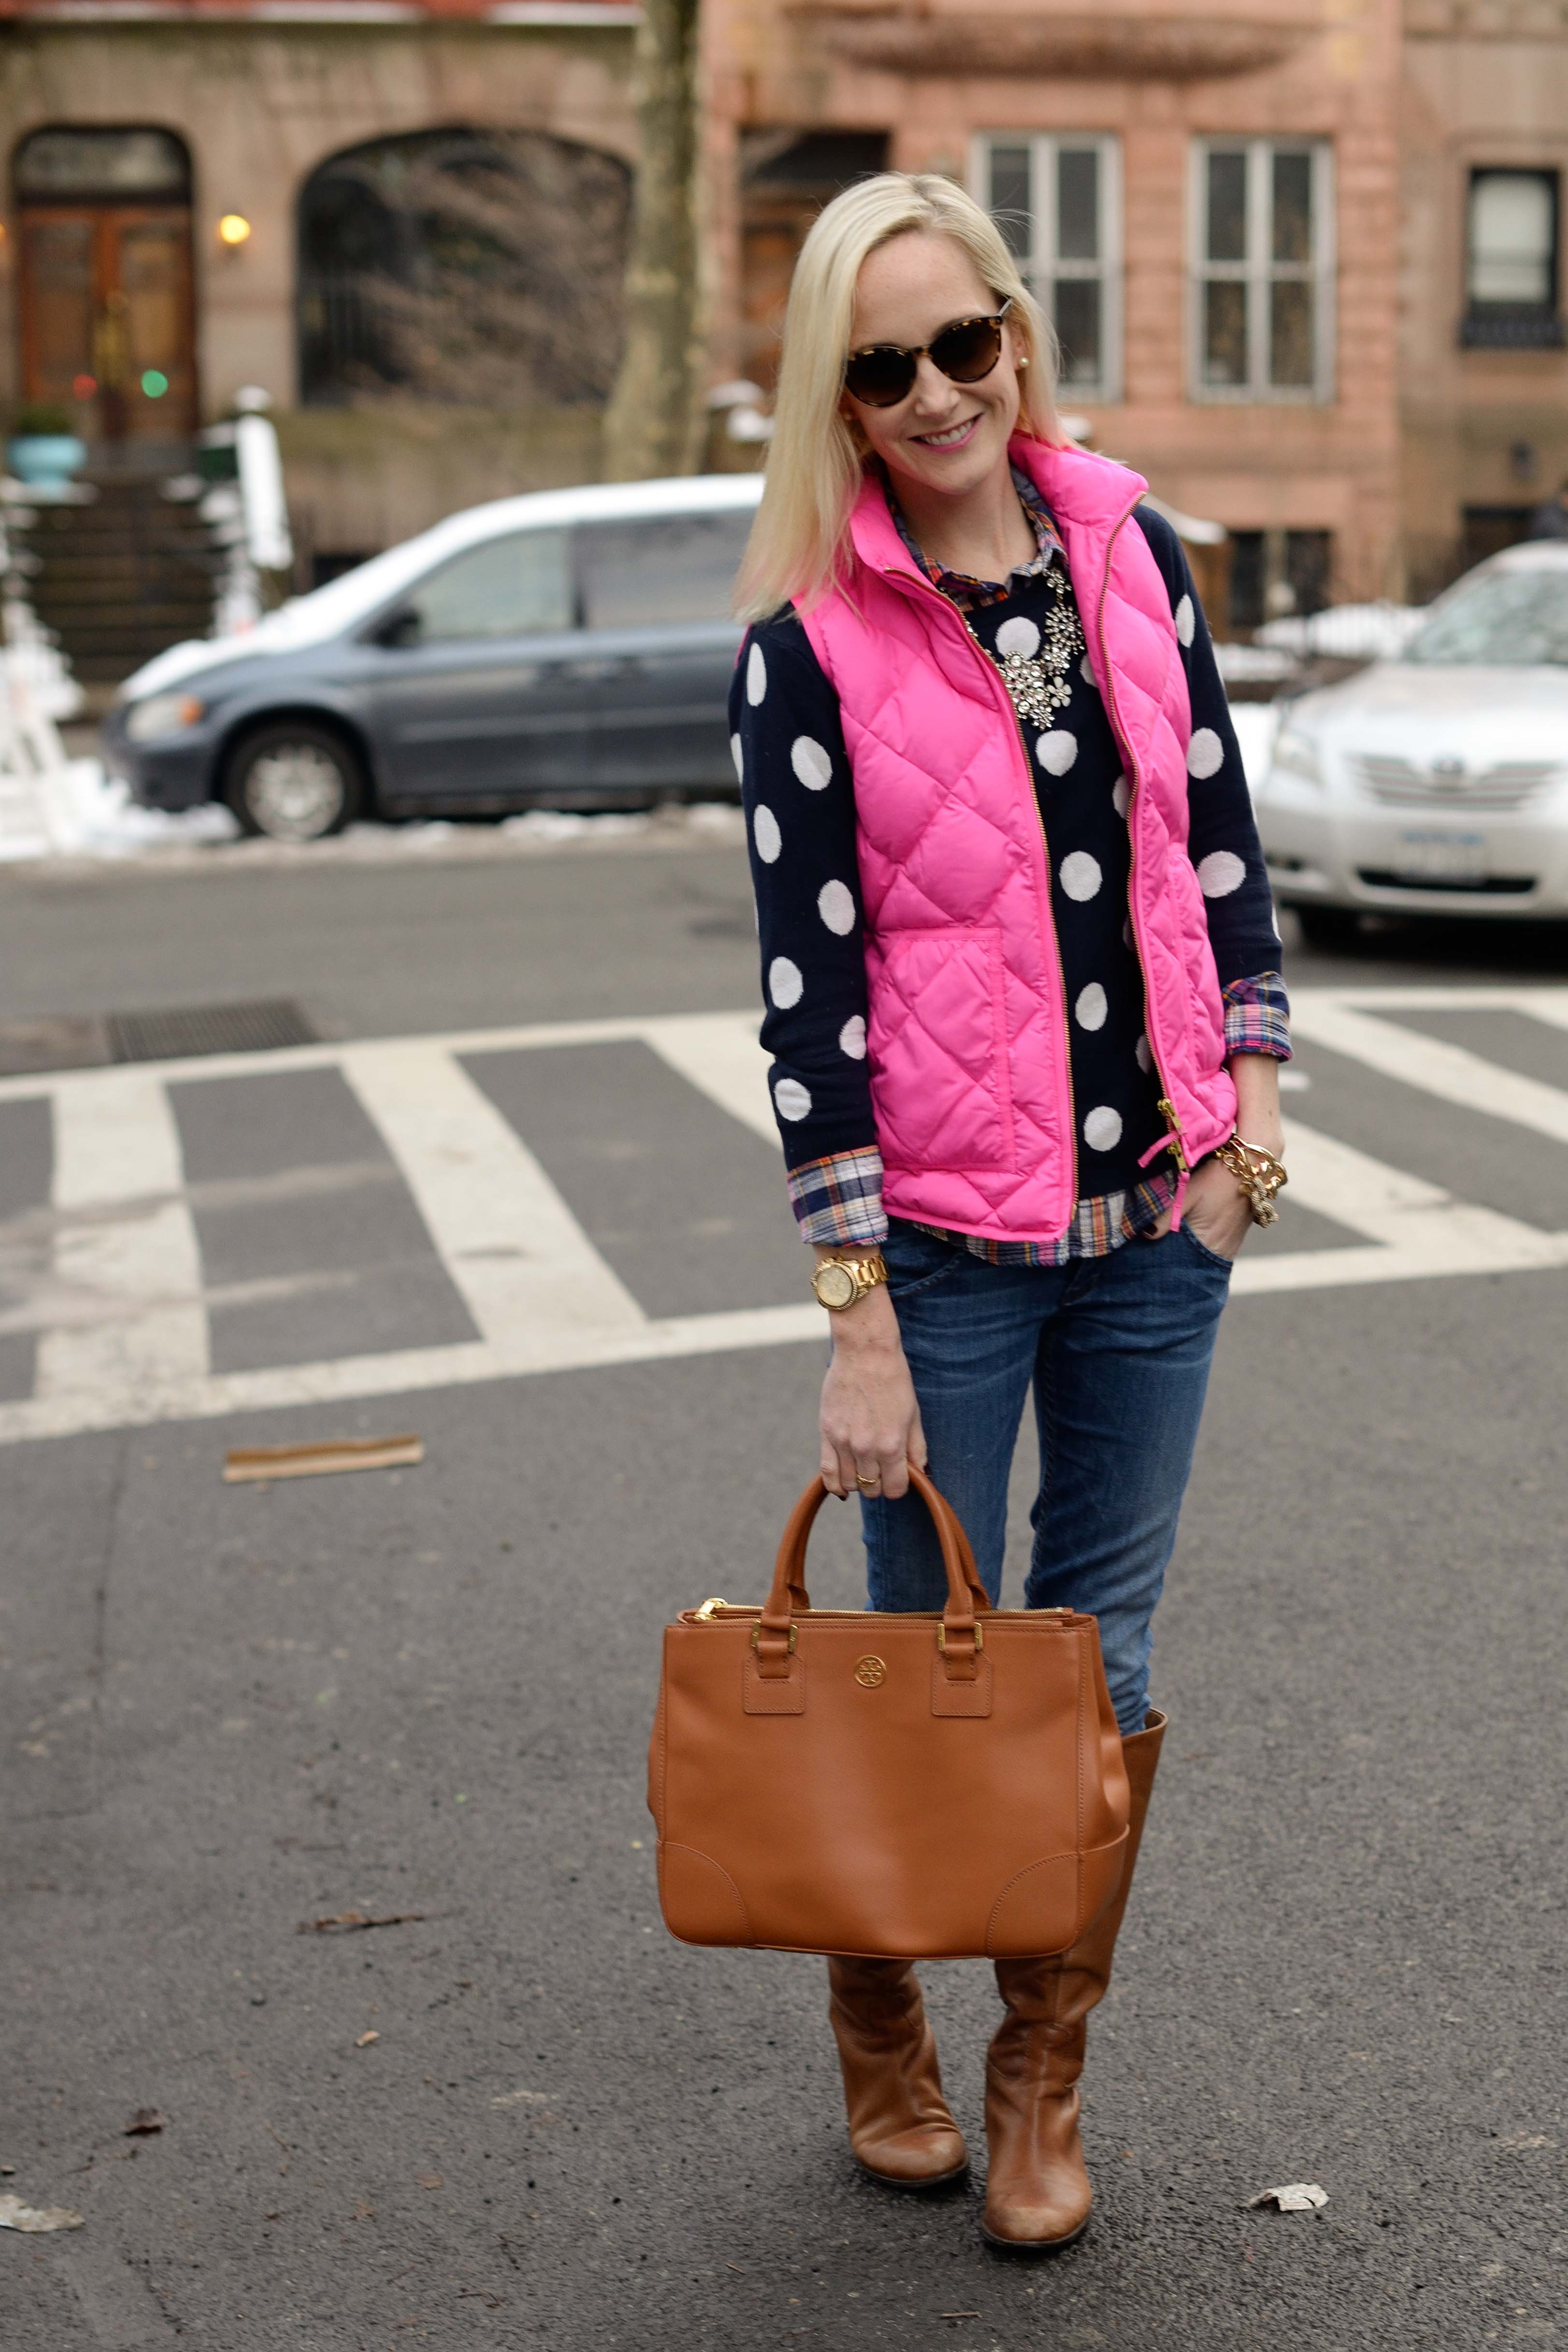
[[787, 736], [1223, 833]]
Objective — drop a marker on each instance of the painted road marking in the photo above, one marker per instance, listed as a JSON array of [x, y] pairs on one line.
[[126, 1278], [122, 1313], [1451, 1072], [525, 1267]]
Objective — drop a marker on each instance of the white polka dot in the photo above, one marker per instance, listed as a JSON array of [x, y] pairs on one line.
[[792, 1098], [1057, 751], [1086, 670], [756, 675], [1205, 754], [738, 757], [1186, 621], [1220, 873], [1080, 875], [1090, 1010], [811, 763], [1018, 636], [852, 1038], [1143, 1057], [835, 904], [1121, 795], [1103, 1129], [785, 982], [765, 833]]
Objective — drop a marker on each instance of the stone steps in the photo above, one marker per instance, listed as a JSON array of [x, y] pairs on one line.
[[123, 578]]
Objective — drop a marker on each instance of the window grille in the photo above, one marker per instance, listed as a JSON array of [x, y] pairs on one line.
[[1262, 273], [1058, 202]]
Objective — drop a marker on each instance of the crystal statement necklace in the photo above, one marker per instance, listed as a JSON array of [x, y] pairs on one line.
[[1040, 684]]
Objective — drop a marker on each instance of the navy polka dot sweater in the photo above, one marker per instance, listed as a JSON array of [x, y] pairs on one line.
[[800, 805]]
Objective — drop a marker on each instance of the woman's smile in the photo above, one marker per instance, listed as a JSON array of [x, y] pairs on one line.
[[950, 437]]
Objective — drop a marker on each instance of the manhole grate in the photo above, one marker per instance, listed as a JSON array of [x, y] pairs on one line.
[[181, 1034], [196, 1029]]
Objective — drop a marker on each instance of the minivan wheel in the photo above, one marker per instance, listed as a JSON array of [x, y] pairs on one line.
[[293, 781]]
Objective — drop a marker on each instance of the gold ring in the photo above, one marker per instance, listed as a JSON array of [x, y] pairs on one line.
[[875, 1479]]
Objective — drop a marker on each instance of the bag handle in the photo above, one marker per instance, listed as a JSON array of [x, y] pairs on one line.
[[959, 1637]]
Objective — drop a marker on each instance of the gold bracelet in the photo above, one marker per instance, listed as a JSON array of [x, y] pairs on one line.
[[1258, 1173]]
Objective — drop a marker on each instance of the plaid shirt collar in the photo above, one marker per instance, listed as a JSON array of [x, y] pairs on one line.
[[966, 592]]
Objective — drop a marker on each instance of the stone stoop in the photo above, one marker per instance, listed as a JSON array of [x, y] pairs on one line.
[[121, 577]]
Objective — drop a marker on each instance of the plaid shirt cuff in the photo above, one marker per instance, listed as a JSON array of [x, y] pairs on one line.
[[839, 1199], [1258, 1016]]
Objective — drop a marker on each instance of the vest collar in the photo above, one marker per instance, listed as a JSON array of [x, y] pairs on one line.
[[1080, 488]]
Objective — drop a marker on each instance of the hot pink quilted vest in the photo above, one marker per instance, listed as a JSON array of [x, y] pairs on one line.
[[967, 1035]]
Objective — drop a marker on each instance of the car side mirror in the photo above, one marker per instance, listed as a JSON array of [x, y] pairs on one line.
[[400, 628]]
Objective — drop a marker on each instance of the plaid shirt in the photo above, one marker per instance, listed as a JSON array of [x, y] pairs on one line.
[[966, 592]]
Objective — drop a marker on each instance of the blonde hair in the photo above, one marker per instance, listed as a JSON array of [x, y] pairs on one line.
[[799, 540]]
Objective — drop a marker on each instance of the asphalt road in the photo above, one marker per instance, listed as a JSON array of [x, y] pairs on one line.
[[224, 1711]]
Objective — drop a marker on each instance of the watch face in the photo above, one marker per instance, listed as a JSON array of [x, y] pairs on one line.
[[834, 1283]]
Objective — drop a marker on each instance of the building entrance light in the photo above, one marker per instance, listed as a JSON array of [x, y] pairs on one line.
[[233, 229]]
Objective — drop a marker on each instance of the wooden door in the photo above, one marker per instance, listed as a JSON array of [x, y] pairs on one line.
[[107, 323]]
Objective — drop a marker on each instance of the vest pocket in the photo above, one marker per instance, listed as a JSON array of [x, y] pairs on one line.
[[938, 1047]]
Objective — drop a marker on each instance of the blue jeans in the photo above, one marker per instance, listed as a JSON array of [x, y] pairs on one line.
[[1118, 1350]]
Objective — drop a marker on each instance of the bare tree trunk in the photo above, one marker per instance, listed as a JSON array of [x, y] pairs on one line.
[[651, 424]]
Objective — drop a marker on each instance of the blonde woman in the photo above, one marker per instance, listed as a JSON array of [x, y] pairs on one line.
[[1025, 1014]]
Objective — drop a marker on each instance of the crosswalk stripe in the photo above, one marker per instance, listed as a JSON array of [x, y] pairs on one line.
[[1450, 1072], [1420, 1229], [719, 1054], [123, 1314], [525, 1267], [127, 1266]]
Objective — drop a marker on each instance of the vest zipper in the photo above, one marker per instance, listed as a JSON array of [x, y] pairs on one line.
[[900, 579], [1174, 1142]]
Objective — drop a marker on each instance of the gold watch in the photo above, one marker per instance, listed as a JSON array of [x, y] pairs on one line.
[[839, 1282]]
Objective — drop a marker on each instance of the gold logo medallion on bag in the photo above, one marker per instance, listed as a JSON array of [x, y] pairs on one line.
[[870, 1673]]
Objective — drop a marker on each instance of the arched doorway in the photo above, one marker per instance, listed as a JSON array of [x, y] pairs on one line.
[[480, 267], [104, 281]]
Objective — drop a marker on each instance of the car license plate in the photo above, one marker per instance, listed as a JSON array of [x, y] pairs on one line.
[[1432, 856]]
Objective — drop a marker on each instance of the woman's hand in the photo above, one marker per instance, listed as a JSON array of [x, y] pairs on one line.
[[870, 1420], [1217, 1208]]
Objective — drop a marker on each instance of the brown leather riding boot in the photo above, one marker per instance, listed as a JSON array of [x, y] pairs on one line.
[[901, 2127], [1037, 2193]]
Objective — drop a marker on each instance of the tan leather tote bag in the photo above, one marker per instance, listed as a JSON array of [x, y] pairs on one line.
[[843, 1781]]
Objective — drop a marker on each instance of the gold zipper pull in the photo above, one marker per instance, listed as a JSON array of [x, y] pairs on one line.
[[704, 1615], [1168, 1111]]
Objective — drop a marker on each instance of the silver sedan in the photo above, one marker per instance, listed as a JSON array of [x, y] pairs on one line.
[[1437, 782]]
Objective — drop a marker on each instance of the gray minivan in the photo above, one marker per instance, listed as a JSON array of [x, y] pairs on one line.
[[571, 648]]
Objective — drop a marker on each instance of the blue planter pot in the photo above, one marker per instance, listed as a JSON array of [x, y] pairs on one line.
[[46, 461]]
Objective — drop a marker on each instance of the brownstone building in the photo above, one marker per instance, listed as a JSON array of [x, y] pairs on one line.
[[1304, 256]]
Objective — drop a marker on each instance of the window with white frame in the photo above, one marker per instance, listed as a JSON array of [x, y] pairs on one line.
[[1262, 273], [1058, 202]]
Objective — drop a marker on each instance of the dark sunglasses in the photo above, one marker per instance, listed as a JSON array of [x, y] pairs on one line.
[[966, 349]]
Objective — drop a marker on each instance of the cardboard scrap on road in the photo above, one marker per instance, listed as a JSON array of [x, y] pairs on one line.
[[1298, 2197], [243, 1463], [351, 1923], [36, 2218]]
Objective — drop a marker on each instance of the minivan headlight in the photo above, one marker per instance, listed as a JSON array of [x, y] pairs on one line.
[[162, 714], [1297, 755]]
